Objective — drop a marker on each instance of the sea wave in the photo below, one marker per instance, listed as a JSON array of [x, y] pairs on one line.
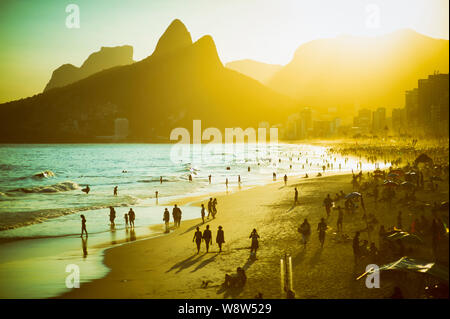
[[26, 218], [55, 188]]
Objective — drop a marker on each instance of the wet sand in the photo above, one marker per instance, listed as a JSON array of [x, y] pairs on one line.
[[168, 266]]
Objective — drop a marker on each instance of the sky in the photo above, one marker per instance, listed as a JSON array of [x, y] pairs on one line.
[[35, 40]]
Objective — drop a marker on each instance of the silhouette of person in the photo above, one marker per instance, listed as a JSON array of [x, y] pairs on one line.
[[198, 239], [255, 244], [285, 178], [210, 203], [190, 177], [87, 189], [203, 213], [209, 179], [115, 190], [166, 219], [160, 180], [322, 227], [305, 231], [214, 208], [83, 226], [112, 215], [207, 237], [125, 216], [220, 238], [328, 203], [226, 183], [295, 196], [131, 216]]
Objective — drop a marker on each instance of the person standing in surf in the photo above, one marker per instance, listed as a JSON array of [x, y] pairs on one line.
[[115, 190], [166, 219], [131, 216], [83, 226], [112, 215]]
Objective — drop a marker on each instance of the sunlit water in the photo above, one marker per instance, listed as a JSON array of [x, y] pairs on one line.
[[44, 211]]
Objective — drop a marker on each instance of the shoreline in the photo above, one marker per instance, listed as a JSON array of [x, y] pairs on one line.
[[168, 267]]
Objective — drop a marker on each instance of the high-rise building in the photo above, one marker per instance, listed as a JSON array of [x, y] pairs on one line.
[[433, 103], [379, 119]]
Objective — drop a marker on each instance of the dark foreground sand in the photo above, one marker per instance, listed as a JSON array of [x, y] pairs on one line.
[[168, 266]]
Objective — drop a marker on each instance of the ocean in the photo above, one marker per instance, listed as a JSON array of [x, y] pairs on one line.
[[41, 198]]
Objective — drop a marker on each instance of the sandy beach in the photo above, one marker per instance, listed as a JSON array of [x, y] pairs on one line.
[[168, 266]]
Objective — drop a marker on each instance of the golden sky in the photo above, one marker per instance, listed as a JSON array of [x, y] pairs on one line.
[[35, 40]]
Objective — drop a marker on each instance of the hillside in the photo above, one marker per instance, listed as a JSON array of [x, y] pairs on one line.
[[179, 82]]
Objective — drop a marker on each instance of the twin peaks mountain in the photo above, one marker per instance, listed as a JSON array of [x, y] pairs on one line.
[[181, 81]]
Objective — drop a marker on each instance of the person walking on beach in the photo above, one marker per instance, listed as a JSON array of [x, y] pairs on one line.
[[295, 196], [209, 178], [131, 217], [305, 231], [220, 238], [340, 218], [210, 203], [328, 203], [207, 237], [83, 226], [198, 239], [285, 179], [356, 247], [166, 219], [176, 213], [125, 216], [321, 228], [214, 208], [112, 215], [115, 190], [203, 213], [255, 244]]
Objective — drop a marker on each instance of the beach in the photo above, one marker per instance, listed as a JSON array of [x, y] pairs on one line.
[[168, 267]]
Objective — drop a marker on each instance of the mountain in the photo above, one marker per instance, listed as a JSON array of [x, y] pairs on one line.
[[346, 71], [106, 58], [260, 71], [181, 81]]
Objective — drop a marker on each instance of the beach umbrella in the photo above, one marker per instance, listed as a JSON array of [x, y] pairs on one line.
[[423, 158], [390, 183], [405, 237], [429, 268], [353, 195]]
